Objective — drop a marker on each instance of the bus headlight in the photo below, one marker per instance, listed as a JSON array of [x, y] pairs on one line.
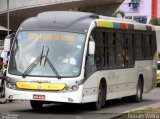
[[11, 86], [158, 74], [72, 88], [68, 88]]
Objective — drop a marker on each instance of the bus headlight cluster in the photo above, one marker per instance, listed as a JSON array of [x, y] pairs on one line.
[[11, 86], [72, 88], [158, 74]]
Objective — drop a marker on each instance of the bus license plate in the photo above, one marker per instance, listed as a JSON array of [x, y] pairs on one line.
[[38, 97]]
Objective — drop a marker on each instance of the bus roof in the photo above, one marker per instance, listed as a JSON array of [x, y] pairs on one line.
[[60, 20], [117, 19], [111, 22], [77, 22]]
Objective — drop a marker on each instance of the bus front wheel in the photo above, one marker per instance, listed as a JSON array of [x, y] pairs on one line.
[[101, 98], [36, 104]]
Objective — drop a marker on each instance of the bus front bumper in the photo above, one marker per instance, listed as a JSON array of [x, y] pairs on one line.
[[67, 97]]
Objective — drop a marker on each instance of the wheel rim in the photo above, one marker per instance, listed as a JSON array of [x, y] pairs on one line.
[[3, 92], [3, 100], [139, 92]]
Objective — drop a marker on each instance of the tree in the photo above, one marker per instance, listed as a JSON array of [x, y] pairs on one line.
[[154, 21], [119, 13]]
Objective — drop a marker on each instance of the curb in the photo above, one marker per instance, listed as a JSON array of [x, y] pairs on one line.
[[154, 106]]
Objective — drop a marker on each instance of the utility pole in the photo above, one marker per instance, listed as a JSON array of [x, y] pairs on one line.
[[8, 17]]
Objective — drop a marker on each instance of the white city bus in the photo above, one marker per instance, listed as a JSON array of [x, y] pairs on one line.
[[76, 57]]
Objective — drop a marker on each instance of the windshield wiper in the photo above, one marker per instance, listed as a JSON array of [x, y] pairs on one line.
[[32, 66], [39, 59], [53, 68]]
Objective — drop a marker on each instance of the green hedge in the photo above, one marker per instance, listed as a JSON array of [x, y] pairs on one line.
[[154, 21]]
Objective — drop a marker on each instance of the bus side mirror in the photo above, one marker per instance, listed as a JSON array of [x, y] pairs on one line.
[[7, 42], [91, 46]]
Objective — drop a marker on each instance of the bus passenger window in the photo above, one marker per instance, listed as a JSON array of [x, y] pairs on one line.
[[147, 46], [120, 53], [138, 48], [153, 43], [99, 54], [111, 49], [130, 56], [111, 57], [114, 38], [128, 50], [119, 56]]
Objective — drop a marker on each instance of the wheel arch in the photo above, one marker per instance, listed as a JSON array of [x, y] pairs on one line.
[[104, 86], [103, 82]]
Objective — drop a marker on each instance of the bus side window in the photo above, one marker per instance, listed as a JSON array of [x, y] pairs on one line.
[[111, 49], [90, 59], [129, 50], [99, 54], [138, 48], [119, 50], [153, 44], [147, 46]]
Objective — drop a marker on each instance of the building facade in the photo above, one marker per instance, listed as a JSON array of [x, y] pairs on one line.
[[141, 10]]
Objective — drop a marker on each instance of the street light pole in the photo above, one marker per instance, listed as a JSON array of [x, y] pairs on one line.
[[7, 17]]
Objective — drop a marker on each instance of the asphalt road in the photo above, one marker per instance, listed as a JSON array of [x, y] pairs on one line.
[[22, 109]]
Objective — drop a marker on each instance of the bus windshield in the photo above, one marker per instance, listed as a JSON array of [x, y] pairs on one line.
[[63, 50]]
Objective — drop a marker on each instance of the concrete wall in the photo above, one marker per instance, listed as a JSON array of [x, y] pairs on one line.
[[23, 9], [23, 4]]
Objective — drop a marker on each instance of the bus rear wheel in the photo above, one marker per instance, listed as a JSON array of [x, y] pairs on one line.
[[138, 97], [36, 104]]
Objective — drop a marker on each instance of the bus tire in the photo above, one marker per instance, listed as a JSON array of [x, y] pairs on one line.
[[10, 100], [3, 100], [158, 84], [99, 103], [2, 95], [138, 97], [36, 104], [104, 92]]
